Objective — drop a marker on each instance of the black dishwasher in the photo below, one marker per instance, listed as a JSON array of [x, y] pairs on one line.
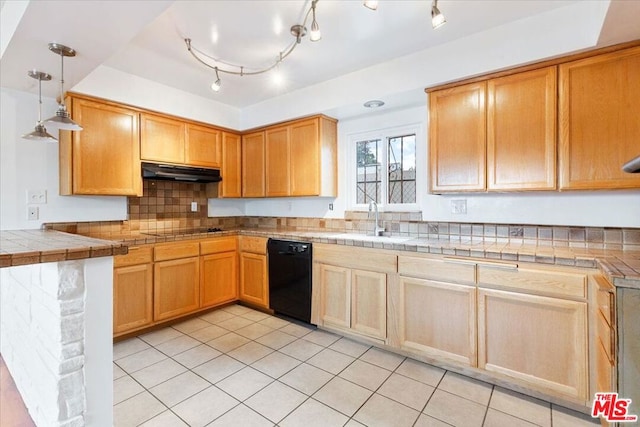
[[290, 278]]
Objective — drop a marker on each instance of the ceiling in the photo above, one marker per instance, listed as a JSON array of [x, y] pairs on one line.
[[146, 38]]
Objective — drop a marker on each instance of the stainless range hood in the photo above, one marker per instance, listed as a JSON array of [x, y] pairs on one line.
[[632, 166], [179, 173]]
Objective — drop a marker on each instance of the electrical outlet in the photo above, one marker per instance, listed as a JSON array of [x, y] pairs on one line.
[[36, 196], [194, 206], [330, 206], [459, 207], [32, 213]]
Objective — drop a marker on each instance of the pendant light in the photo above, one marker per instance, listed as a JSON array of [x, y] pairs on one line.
[[40, 133], [315, 34], [62, 119]]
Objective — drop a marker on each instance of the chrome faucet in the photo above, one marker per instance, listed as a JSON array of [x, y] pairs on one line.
[[377, 230]]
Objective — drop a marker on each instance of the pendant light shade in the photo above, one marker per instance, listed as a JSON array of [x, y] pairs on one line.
[[40, 133], [62, 119]]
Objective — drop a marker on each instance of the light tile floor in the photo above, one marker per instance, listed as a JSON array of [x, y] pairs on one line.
[[240, 367]]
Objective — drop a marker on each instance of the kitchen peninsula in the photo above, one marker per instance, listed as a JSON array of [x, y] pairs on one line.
[[55, 333]]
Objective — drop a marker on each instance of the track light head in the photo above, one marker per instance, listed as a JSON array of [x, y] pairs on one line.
[[437, 18]]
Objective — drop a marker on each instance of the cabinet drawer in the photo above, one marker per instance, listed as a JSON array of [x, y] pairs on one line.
[[367, 259], [548, 282], [257, 245], [437, 269], [137, 255], [176, 250], [218, 245]]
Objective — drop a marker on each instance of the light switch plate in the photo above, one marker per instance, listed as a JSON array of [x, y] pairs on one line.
[[194, 206]]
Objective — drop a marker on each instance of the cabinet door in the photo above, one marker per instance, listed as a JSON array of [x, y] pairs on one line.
[[161, 139], [438, 319], [202, 147], [369, 303], [253, 165], [253, 279], [176, 287], [105, 156], [277, 161], [305, 158], [521, 131], [457, 132], [537, 341], [599, 126], [335, 294], [218, 278], [132, 297], [231, 185]]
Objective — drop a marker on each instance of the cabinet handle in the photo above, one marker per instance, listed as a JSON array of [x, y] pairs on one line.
[[450, 260], [500, 265]]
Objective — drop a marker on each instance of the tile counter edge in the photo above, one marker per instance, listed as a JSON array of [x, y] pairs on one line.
[[24, 247]]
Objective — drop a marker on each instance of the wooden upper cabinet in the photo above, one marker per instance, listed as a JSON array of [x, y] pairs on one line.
[[231, 170], [161, 139], [103, 158], [457, 138], [164, 139], [313, 158], [253, 165], [277, 144], [202, 146], [599, 110], [521, 131]]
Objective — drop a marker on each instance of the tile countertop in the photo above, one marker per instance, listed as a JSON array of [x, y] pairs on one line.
[[621, 268], [22, 247]]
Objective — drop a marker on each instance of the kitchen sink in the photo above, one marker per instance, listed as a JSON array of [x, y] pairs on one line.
[[370, 238]]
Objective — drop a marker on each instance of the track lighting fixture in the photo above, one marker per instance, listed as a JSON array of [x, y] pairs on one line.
[[315, 34], [371, 4], [62, 119], [40, 133], [220, 66], [298, 31], [437, 18]]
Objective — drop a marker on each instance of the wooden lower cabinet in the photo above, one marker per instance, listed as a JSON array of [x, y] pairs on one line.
[[335, 283], [253, 279], [369, 303], [534, 340], [354, 299], [176, 287], [438, 319], [218, 278], [132, 297]]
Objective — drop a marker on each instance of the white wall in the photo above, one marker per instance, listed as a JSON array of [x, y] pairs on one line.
[[34, 165]]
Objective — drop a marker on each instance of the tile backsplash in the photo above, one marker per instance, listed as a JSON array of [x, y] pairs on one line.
[[165, 207]]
